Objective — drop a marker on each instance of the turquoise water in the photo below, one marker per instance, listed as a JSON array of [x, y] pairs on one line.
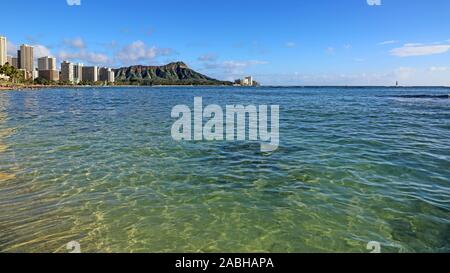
[[99, 166]]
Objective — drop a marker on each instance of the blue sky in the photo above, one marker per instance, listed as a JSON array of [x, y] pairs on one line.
[[284, 42]]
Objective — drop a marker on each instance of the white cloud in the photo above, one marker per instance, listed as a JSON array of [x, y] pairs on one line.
[[409, 50], [388, 42], [291, 44], [132, 54], [41, 51], [348, 46], [12, 48], [138, 51], [438, 69], [85, 56], [404, 73], [407, 76], [73, 2], [330, 50], [413, 44], [33, 39], [374, 2], [77, 43], [232, 67], [208, 58], [77, 51], [229, 70]]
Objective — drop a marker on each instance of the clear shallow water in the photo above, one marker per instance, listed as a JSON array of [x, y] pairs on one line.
[[99, 166]]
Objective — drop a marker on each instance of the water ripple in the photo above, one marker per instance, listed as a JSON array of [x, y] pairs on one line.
[[99, 166]]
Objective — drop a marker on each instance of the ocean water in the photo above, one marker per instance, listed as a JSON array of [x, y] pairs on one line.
[[99, 166]]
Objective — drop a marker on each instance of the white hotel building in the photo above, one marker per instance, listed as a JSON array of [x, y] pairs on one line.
[[3, 50]]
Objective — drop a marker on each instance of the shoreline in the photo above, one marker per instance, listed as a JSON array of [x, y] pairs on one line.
[[32, 87], [37, 86]]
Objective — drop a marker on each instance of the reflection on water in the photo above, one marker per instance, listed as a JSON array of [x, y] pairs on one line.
[[98, 166]]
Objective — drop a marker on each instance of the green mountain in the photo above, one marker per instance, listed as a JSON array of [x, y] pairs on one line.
[[171, 74]]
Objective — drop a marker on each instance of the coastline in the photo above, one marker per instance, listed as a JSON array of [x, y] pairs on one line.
[[37, 86], [33, 87]]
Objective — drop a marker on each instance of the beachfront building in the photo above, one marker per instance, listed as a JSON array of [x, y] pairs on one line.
[[15, 62], [12, 61], [90, 74], [106, 74], [3, 50], [77, 73], [67, 72], [25, 56], [247, 81], [103, 74], [49, 75], [35, 74], [47, 63], [111, 76], [47, 68]]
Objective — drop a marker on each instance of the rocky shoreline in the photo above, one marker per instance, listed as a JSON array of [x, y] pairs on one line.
[[31, 87]]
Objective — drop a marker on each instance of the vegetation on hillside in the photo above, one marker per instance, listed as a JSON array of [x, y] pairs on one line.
[[172, 74]]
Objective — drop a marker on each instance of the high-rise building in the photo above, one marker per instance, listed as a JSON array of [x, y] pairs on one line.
[[248, 81], [35, 74], [78, 73], [3, 50], [9, 59], [18, 60], [90, 73], [52, 64], [111, 76], [47, 68], [47, 63], [49, 75], [67, 72], [42, 63], [103, 74], [26, 58], [15, 62], [106, 74]]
